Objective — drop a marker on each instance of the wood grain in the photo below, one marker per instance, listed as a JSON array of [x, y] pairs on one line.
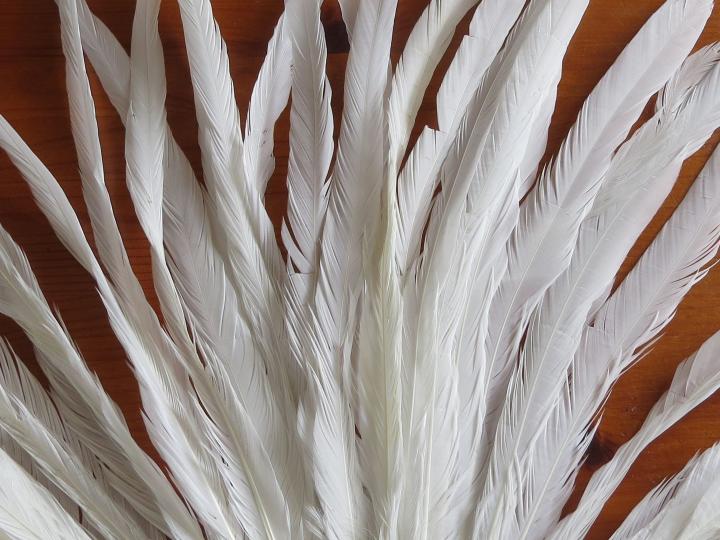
[[33, 99]]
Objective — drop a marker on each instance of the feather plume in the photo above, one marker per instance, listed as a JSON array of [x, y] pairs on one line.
[[520, 78], [543, 242], [598, 363], [695, 380], [490, 24], [663, 512], [353, 203], [429, 355], [38, 432], [28, 510], [269, 98], [311, 144], [206, 291], [253, 260], [65, 368], [621, 210]]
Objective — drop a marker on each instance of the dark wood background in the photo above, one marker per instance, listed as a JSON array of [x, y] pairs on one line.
[[33, 99]]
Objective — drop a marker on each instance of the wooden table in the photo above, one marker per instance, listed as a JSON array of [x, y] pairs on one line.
[[33, 99]]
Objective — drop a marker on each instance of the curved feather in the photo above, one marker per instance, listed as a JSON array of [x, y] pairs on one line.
[[29, 428], [269, 98], [605, 347], [695, 380], [423, 50], [459, 227], [241, 223], [633, 190], [420, 175], [28, 510], [543, 242], [684, 505], [85, 392]]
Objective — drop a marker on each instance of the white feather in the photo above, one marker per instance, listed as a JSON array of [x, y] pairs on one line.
[[28, 511], [311, 144], [676, 260], [633, 190], [44, 443], [420, 175], [543, 243], [199, 272], [671, 509], [353, 204], [269, 98], [242, 225], [425, 47], [602, 355], [694, 381], [379, 384], [478, 186]]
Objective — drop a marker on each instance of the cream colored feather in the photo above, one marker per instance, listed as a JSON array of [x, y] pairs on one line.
[[421, 348]]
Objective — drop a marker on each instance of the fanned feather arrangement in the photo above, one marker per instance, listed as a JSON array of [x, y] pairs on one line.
[[425, 349]]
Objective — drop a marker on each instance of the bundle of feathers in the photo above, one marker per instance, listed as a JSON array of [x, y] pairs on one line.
[[425, 352]]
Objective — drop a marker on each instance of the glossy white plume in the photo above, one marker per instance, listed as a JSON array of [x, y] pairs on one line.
[[422, 346]]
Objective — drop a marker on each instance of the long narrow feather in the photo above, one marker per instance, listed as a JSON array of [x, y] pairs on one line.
[[80, 397], [149, 208], [56, 457], [242, 225], [623, 207], [21, 387], [84, 392], [695, 380], [462, 217], [677, 259], [28, 511], [353, 204], [420, 175], [200, 275], [144, 151], [425, 47], [379, 383], [311, 144], [670, 507], [269, 98], [199, 272], [543, 242], [605, 349]]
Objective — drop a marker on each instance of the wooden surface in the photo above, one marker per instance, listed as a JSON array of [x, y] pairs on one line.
[[33, 99]]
